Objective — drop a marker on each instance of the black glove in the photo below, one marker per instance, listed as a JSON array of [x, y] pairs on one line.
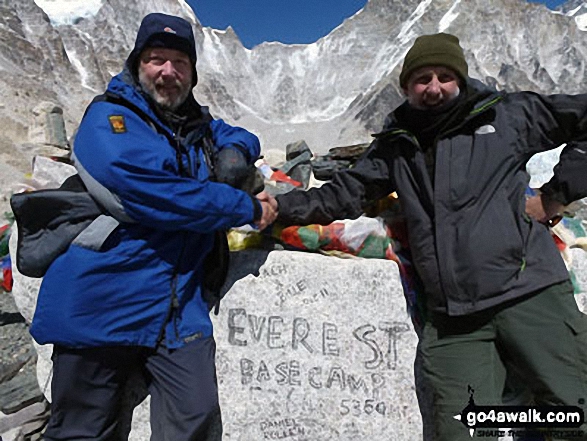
[[232, 169]]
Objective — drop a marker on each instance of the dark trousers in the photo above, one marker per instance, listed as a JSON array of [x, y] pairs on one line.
[[539, 343], [88, 389]]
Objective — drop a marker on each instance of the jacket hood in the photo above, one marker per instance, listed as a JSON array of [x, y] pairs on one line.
[[165, 31]]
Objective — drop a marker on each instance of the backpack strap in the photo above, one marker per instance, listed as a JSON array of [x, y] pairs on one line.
[[216, 263], [110, 97]]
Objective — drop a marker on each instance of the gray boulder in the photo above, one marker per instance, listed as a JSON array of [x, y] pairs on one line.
[[309, 347]]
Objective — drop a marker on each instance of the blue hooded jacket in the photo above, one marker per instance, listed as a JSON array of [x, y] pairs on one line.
[[135, 278]]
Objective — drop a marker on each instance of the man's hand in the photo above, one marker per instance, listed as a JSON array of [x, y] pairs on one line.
[[270, 210], [544, 209]]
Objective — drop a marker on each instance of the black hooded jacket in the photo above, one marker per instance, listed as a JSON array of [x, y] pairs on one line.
[[473, 244]]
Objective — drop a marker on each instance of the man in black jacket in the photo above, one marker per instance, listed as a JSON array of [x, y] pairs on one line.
[[497, 292]]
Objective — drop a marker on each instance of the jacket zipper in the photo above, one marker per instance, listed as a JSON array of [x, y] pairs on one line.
[[174, 299], [525, 240], [454, 286]]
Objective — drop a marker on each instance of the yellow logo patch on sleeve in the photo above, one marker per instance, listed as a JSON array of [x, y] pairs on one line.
[[117, 123]]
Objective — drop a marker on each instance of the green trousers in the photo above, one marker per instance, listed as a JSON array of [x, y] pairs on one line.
[[539, 341]]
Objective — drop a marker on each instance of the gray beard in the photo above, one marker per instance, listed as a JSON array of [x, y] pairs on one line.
[[164, 102]]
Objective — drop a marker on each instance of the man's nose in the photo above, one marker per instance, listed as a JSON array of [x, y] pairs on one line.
[[434, 85], [167, 68]]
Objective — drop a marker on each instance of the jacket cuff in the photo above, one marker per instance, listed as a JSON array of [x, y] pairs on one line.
[[555, 192], [240, 149], [257, 209], [284, 215]]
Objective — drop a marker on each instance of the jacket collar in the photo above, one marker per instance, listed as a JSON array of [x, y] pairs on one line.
[[190, 115], [484, 98]]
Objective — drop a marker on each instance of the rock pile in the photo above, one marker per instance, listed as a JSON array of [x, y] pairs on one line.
[[23, 408]]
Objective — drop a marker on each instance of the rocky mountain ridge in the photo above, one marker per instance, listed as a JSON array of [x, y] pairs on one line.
[[336, 90]]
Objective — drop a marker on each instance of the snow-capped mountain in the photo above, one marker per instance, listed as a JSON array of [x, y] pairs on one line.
[[69, 11], [340, 88], [334, 91]]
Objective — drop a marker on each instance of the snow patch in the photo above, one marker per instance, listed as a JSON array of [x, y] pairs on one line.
[[572, 12], [449, 17], [406, 34], [217, 31], [336, 108], [188, 11], [252, 112], [62, 12], [83, 72], [212, 47], [390, 56], [312, 52], [581, 21]]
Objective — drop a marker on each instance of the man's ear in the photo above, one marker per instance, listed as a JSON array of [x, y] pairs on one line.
[[195, 78], [405, 91]]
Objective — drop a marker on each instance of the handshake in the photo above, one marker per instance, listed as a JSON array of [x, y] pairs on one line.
[[232, 169], [270, 210]]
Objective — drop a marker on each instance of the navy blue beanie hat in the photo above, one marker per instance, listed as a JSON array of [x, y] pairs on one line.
[[167, 31]]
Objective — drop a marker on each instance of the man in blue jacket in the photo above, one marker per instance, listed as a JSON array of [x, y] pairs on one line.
[[497, 294], [128, 293]]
